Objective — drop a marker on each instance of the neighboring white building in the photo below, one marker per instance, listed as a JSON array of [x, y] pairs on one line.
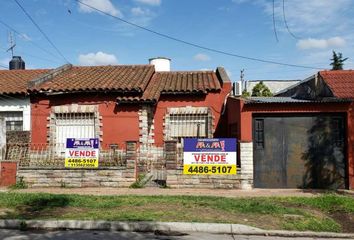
[[274, 86], [15, 105], [16, 112]]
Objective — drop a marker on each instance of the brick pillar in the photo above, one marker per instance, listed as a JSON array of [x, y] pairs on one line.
[[2, 138], [131, 155], [8, 171], [170, 149], [246, 156]]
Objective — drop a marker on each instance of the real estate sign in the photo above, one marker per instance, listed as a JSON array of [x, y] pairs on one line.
[[209, 156], [81, 152]]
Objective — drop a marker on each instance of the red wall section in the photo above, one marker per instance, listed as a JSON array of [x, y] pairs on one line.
[[214, 101], [350, 131], [119, 123], [8, 171]]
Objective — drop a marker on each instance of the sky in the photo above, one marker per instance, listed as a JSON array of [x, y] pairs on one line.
[[83, 36]]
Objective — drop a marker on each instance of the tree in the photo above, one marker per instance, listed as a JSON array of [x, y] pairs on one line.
[[245, 93], [337, 61], [261, 90]]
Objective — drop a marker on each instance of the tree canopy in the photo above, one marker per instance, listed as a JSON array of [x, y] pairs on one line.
[[261, 90], [337, 61]]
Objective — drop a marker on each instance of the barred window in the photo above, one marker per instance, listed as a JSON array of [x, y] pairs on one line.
[[337, 131], [74, 125], [188, 125], [259, 133], [14, 120]]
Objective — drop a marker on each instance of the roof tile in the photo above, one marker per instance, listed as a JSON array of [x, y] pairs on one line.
[[341, 82], [98, 78], [15, 81]]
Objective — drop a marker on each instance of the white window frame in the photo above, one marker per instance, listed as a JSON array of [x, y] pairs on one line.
[[189, 117]]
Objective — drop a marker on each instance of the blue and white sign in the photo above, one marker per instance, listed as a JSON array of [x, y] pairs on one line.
[[210, 156], [82, 152]]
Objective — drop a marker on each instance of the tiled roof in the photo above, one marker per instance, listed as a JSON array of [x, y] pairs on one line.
[[15, 81], [133, 83], [99, 78], [341, 82], [178, 83]]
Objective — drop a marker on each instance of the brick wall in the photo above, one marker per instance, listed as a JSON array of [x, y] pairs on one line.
[[7, 173]]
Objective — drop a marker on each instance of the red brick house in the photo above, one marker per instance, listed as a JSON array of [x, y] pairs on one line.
[[126, 102], [303, 137]]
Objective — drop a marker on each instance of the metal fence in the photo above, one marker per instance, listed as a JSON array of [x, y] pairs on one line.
[[53, 156]]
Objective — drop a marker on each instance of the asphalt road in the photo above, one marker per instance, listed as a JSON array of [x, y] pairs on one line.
[[6, 234]]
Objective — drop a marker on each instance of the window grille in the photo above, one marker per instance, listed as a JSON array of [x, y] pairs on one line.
[[14, 120], [259, 133], [73, 125], [188, 125], [337, 130]]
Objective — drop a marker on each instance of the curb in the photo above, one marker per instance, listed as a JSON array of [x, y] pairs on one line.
[[216, 228]]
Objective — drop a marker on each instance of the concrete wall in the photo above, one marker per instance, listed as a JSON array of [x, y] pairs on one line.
[[18, 105]]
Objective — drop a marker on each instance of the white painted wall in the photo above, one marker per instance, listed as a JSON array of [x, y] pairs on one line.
[[274, 86], [9, 104]]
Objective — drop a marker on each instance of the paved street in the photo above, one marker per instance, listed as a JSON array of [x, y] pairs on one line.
[[6, 234]]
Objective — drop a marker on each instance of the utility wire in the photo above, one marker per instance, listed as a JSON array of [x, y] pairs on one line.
[[21, 35], [34, 56], [3, 66], [194, 44], [274, 27], [43, 33], [286, 23]]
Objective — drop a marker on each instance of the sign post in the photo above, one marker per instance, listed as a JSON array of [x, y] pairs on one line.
[[209, 156], [81, 153]]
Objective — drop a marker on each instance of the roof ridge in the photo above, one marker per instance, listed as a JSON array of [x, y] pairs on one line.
[[101, 66], [49, 75]]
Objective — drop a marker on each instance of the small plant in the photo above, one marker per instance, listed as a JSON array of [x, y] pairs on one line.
[[23, 226], [139, 182], [20, 184], [62, 184]]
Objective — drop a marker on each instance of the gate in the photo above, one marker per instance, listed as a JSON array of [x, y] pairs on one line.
[[299, 151]]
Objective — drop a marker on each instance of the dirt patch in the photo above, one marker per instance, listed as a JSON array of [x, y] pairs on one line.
[[346, 220], [6, 212]]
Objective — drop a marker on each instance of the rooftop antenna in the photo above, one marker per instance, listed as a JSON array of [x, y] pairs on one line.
[[12, 43]]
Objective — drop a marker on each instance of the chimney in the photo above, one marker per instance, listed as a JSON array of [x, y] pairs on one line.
[[162, 64], [16, 63]]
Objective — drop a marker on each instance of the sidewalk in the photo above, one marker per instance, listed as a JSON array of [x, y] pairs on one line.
[[176, 227], [233, 193]]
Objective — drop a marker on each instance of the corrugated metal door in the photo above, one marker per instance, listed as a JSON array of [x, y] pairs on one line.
[[299, 151]]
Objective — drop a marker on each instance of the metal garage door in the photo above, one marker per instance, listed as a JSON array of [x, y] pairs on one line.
[[299, 151]]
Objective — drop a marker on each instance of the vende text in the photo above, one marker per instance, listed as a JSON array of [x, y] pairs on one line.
[[82, 153], [209, 158]]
